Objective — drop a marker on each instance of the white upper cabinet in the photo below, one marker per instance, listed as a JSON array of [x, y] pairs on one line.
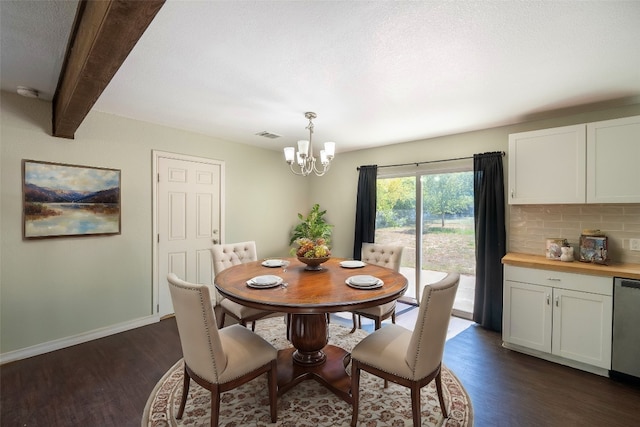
[[613, 161], [547, 166], [588, 163]]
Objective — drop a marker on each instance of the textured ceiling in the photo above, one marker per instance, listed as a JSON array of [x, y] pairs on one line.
[[375, 72]]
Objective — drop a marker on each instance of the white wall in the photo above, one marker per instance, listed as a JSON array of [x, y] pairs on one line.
[[53, 289]]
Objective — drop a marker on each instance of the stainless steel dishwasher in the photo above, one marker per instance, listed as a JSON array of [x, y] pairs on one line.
[[625, 348]]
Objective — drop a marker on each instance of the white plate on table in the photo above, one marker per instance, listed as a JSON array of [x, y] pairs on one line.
[[352, 264], [266, 281], [273, 263], [364, 282]]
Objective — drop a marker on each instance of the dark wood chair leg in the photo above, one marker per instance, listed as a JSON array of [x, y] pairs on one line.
[[415, 405], [272, 381], [185, 393], [253, 326], [215, 405], [393, 317], [355, 391], [355, 323], [440, 395], [222, 317]]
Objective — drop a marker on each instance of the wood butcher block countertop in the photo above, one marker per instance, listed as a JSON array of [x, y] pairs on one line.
[[625, 270]]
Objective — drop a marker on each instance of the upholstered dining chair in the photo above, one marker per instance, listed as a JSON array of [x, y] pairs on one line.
[[218, 359], [386, 256], [411, 359], [224, 256]]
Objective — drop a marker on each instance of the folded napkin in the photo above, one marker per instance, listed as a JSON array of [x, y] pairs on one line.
[[352, 264], [363, 280], [265, 281], [273, 263]]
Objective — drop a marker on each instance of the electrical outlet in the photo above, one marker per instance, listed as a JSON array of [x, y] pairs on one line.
[[634, 244]]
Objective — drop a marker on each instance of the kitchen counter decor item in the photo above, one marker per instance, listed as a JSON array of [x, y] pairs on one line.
[[567, 253], [554, 245], [594, 247]]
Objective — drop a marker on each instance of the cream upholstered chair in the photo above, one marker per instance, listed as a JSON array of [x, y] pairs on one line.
[[412, 359], [218, 360], [386, 256], [224, 256]]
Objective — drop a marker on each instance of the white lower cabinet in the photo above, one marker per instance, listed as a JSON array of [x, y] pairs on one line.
[[582, 324], [563, 315], [526, 315]]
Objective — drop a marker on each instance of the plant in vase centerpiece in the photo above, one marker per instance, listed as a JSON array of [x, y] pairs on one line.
[[311, 237]]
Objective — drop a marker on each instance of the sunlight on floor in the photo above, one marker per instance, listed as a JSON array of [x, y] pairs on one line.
[[405, 316], [457, 325]]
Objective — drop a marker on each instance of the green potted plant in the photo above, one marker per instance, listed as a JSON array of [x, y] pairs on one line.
[[311, 238]]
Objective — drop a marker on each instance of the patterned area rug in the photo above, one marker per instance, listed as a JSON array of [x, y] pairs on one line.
[[308, 403]]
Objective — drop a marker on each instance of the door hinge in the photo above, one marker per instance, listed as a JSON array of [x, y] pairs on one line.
[[158, 177], [158, 238], [157, 308]]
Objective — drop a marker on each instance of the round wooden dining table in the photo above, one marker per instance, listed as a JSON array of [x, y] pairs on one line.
[[306, 297]]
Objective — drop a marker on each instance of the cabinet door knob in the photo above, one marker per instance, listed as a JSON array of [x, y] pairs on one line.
[[548, 299], [557, 301]]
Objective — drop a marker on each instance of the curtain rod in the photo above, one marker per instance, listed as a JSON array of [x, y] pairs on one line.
[[429, 161]]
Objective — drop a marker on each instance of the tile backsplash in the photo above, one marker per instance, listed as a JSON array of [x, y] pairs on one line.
[[530, 225]]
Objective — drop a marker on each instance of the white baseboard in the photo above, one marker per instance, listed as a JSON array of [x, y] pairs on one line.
[[58, 344]]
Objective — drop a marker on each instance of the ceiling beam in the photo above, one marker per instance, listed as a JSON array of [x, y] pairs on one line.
[[103, 34]]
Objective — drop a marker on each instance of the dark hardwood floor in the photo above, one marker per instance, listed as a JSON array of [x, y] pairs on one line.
[[106, 382]]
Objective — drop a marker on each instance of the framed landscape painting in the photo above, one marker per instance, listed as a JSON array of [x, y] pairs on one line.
[[61, 200]]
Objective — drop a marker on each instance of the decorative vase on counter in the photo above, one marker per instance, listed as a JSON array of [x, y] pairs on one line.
[[567, 254], [554, 245]]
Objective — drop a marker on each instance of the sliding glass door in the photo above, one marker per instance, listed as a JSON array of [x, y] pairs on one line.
[[430, 214], [396, 223]]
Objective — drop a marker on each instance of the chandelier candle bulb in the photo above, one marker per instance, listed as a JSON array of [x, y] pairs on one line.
[[323, 157], [303, 148], [330, 149], [289, 154]]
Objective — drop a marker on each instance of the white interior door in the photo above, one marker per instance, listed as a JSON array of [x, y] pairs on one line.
[[189, 220]]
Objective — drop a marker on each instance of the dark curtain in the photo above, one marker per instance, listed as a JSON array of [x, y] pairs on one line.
[[489, 211], [365, 209]]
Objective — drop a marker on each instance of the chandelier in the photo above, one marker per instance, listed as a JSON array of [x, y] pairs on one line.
[[304, 159]]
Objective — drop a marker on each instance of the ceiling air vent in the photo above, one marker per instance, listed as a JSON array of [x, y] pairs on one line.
[[268, 135]]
